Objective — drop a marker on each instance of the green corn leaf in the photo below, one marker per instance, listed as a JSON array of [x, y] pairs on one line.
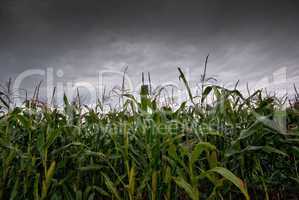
[[193, 193], [182, 76], [206, 92], [111, 187], [232, 178], [199, 148], [269, 149]]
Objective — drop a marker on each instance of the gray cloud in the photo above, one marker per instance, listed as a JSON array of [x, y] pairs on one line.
[[247, 40]]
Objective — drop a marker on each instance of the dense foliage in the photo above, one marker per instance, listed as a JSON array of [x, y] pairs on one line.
[[230, 147]]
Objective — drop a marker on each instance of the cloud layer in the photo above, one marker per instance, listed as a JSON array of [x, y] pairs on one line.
[[247, 40]]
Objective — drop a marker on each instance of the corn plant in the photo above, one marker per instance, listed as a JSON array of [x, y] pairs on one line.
[[228, 148]]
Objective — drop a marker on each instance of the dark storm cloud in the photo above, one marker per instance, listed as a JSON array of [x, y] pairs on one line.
[[246, 39]]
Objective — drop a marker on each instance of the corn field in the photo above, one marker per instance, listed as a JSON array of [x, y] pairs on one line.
[[233, 147]]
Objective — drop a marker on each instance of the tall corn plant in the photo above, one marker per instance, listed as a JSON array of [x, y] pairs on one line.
[[144, 151]]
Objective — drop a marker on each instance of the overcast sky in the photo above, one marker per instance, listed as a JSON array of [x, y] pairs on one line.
[[246, 40]]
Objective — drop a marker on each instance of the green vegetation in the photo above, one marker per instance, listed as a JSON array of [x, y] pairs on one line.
[[232, 147]]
